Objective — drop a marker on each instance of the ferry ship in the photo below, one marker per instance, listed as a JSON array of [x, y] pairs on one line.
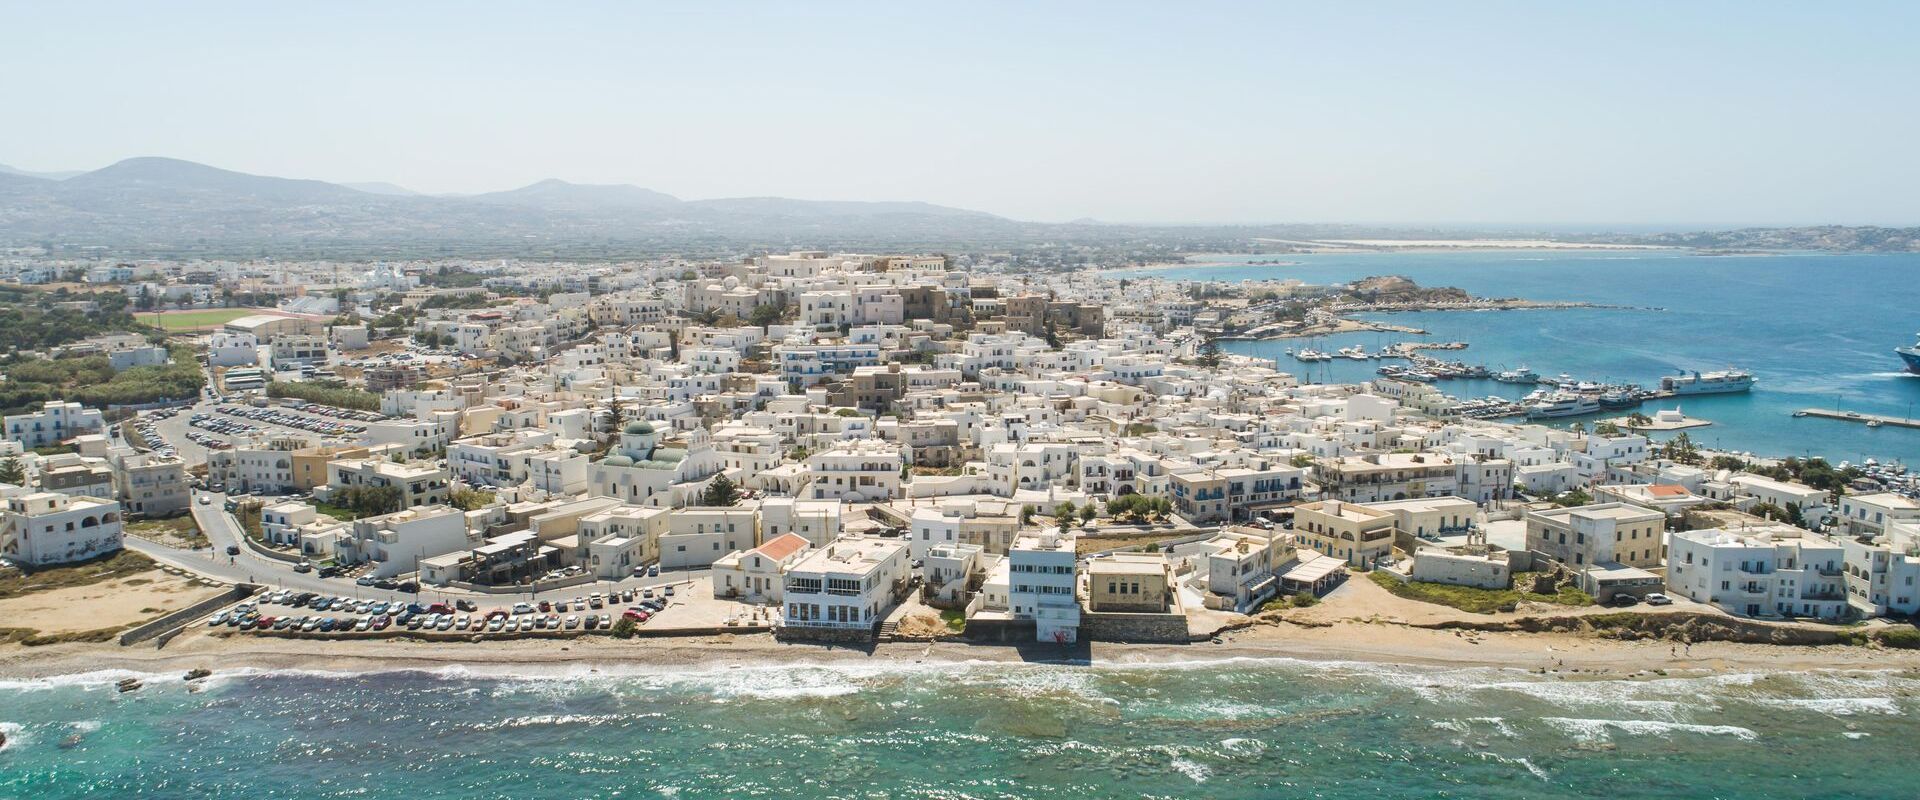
[[1722, 382], [1563, 404], [1911, 355]]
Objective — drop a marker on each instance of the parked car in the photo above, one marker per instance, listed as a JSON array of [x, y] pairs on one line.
[[1658, 599], [1623, 600]]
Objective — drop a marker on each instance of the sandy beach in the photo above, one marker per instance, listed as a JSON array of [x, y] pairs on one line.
[[1352, 640]]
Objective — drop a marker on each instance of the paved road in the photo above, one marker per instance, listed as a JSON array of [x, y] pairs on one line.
[[223, 531]]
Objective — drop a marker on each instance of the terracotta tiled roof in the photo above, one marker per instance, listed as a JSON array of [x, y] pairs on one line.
[[786, 544]]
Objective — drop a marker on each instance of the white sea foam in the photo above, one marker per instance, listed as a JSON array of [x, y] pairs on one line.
[[1242, 747], [557, 720], [1193, 769], [1601, 730], [1840, 706], [1529, 766], [15, 733], [87, 726]]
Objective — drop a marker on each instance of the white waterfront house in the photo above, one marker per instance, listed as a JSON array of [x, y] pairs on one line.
[[850, 584], [1042, 582], [52, 528], [1776, 571]]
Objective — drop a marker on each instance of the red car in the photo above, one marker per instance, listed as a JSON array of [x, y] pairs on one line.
[[637, 614], [546, 606], [439, 608]]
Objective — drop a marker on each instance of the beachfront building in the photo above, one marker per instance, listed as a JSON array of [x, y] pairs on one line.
[[55, 422], [1347, 531], [849, 586], [1240, 568], [1133, 583], [1883, 573], [1605, 533], [1475, 566], [1042, 582], [756, 575], [1777, 571], [46, 528]]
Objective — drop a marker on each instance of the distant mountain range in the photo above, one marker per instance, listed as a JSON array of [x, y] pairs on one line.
[[161, 201], [165, 206]]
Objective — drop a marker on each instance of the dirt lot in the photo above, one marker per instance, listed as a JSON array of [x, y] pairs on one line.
[[108, 604]]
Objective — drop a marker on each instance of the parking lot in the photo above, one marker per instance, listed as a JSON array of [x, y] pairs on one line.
[[660, 607]]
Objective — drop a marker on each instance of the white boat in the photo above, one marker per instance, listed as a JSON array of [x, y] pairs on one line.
[[1521, 375], [1563, 404], [1722, 382], [1356, 352]]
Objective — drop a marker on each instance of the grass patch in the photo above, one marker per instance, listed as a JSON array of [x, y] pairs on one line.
[[341, 513], [33, 638], [194, 320], [1297, 600], [17, 583], [178, 529], [955, 619], [1471, 599]]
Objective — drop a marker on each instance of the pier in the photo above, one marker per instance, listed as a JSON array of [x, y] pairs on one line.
[[1872, 420]]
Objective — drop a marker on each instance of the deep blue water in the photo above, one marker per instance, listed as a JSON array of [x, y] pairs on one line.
[[1236, 729], [1817, 330]]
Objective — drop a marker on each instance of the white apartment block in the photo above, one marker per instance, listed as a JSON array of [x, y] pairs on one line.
[[1779, 571], [1043, 583], [851, 584], [44, 528], [55, 422]]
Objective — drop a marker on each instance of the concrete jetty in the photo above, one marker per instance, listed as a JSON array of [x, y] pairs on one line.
[[1855, 416]]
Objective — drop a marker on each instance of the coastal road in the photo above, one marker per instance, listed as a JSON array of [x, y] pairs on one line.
[[223, 530]]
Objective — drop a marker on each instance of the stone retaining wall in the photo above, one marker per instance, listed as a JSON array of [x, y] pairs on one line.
[[178, 619]]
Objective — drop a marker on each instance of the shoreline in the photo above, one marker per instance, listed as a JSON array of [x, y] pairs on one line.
[[1352, 642]]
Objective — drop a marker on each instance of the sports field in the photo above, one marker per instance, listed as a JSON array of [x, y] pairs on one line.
[[196, 320]]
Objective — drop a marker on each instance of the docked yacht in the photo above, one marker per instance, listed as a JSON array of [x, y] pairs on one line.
[[1911, 355], [1521, 375], [1563, 404], [1721, 382]]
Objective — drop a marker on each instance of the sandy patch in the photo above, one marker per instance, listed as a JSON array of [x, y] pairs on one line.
[[122, 601]]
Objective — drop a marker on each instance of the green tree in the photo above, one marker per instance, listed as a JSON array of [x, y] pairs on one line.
[[1087, 513], [1210, 354], [12, 472], [1064, 513], [469, 499], [764, 315], [720, 492]]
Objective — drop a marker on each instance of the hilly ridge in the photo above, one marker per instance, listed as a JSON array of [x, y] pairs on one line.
[[160, 201]]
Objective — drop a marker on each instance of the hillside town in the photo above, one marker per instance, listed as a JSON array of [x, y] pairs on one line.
[[844, 447]]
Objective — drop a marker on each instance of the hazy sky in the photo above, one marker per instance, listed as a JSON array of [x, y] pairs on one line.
[[1692, 113]]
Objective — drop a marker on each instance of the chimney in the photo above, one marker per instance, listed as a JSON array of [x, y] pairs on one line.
[[1332, 507]]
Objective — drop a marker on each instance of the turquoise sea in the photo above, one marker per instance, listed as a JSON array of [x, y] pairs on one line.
[[1230, 729], [1816, 330]]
